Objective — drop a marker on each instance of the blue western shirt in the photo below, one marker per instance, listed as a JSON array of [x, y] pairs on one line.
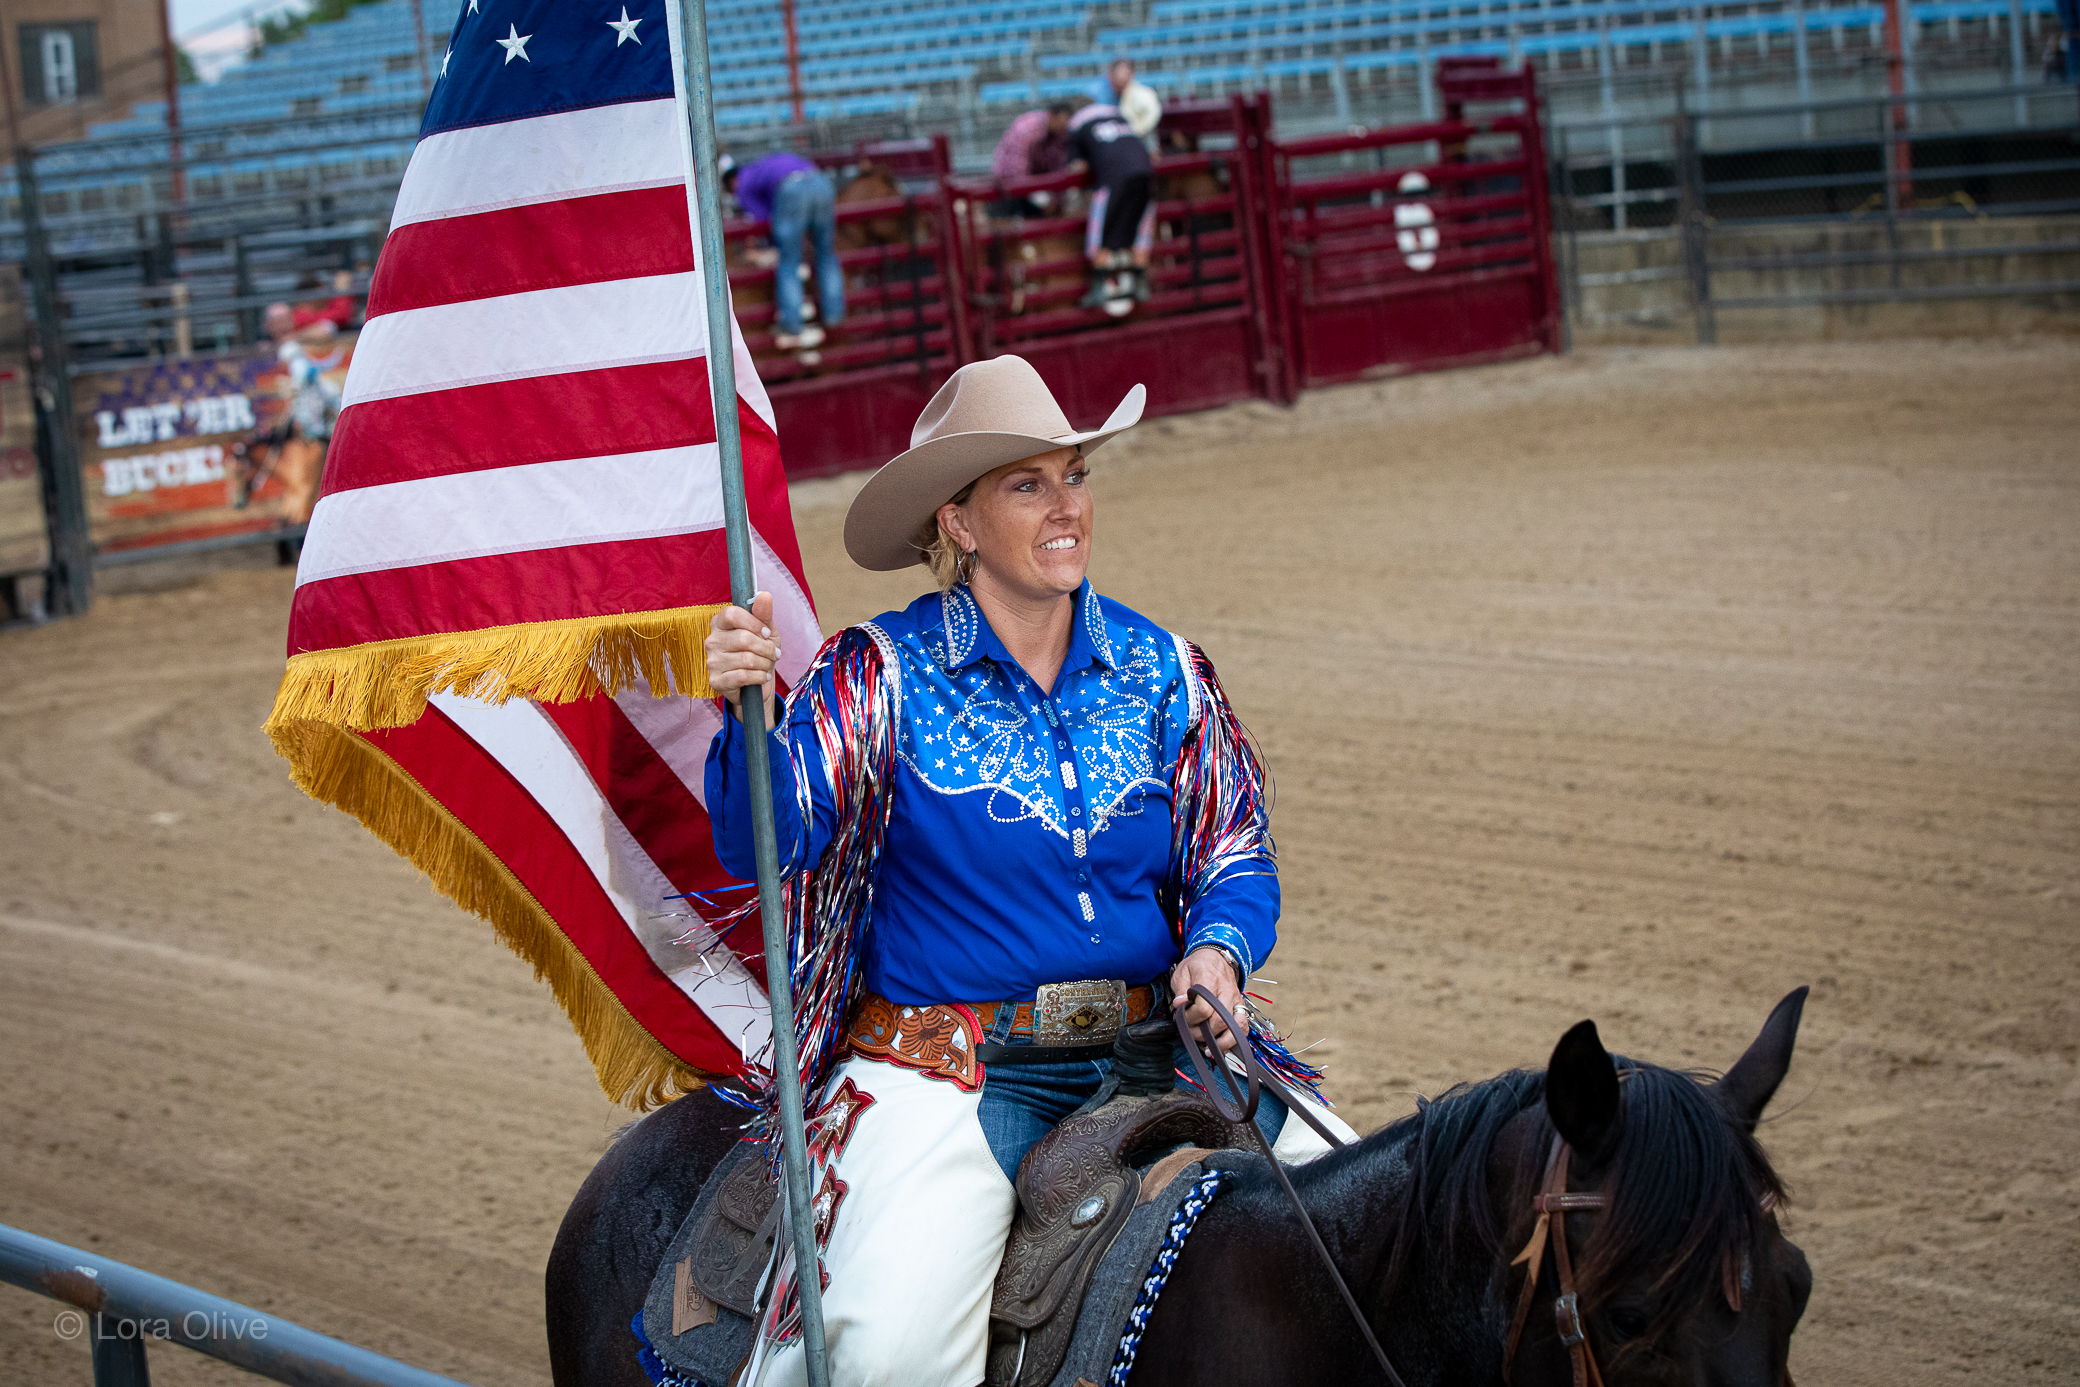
[[1030, 832]]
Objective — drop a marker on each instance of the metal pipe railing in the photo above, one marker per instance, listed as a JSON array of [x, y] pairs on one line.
[[122, 1307]]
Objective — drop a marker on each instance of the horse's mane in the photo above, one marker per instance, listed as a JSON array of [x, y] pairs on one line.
[[1686, 1182]]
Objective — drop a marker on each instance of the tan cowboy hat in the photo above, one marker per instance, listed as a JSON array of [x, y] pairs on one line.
[[990, 413]]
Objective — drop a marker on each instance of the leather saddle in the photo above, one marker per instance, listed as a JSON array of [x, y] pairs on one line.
[[735, 1241], [1076, 1190]]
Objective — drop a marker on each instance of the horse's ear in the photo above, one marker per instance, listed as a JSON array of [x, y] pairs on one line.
[[1582, 1093], [1752, 1082]]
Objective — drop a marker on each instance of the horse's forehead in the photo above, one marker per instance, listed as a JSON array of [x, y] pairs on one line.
[[1512, 1138]]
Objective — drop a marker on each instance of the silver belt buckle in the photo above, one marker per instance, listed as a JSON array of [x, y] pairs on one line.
[[1078, 1013]]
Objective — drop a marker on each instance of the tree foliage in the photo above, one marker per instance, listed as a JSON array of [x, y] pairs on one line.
[[290, 24]]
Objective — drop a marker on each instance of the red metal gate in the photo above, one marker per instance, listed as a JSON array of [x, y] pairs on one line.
[[1277, 266], [1416, 246], [1202, 337]]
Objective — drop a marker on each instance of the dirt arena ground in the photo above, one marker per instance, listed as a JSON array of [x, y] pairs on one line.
[[1642, 685]]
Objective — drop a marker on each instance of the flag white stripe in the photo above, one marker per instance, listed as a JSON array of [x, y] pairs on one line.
[[749, 387], [794, 617], [506, 510], [578, 327], [483, 168], [680, 729], [523, 739]]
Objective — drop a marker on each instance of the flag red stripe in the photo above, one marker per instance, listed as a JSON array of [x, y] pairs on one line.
[[654, 804], [667, 822], [578, 414], [480, 792], [575, 580], [544, 245]]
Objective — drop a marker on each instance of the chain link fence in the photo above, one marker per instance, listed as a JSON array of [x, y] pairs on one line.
[[1690, 217]]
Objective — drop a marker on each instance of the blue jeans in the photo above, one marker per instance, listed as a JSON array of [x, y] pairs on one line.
[[806, 204], [1021, 1103]]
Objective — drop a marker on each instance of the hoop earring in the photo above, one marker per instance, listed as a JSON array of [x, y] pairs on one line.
[[964, 566]]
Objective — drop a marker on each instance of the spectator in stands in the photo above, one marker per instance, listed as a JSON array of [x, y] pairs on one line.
[[1136, 100], [339, 312], [301, 432], [1122, 227], [1036, 143], [797, 198]]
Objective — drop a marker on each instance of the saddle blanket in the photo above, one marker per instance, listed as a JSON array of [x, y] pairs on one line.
[[705, 1354], [1123, 1290]]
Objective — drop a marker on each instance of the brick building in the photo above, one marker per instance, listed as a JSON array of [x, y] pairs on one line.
[[69, 64]]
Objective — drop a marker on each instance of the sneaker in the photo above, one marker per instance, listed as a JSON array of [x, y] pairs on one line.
[[1141, 290], [1098, 293], [795, 341]]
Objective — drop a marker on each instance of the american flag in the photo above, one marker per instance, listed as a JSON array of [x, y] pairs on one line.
[[494, 643]]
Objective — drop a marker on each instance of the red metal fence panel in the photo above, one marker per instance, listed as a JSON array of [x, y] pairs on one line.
[[1417, 246], [1277, 266], [1199, 340]]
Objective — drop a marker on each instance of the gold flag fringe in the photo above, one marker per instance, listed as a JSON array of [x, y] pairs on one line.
[[385, 683], [331, 764]]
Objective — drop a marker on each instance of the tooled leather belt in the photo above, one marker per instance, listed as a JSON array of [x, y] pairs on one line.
[[1068, 1021], [1065, 1022]]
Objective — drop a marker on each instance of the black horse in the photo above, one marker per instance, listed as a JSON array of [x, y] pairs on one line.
[[1683, 1276]]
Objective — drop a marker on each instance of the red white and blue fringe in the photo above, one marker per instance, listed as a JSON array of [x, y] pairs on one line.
[[1221, 828], [1181, 1222], [830, 909]]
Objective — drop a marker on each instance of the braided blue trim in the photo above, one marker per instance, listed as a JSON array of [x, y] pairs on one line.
[[1187, 1214], [654, 1367]]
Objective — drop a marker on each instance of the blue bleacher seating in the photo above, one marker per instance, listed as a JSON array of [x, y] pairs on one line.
[[883, 57]]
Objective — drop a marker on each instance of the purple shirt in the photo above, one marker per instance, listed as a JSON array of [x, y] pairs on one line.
[[758, 182], [1029, 148]]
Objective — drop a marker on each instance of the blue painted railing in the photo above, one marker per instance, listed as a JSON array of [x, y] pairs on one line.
[[118, 1309]]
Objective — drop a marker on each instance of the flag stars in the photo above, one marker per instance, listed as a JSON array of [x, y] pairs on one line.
[[515, 43], [624, 28], [444, 61]]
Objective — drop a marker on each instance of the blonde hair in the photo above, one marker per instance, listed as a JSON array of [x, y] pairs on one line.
[[942, 553]]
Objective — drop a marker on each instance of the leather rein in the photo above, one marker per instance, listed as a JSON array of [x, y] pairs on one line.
[[1552, 1203], [1242, 1112]]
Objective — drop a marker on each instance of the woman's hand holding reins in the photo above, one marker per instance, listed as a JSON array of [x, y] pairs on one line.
[[742, 652], [1216, 970]]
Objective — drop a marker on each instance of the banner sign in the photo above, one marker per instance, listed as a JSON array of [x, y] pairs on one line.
[[180, 450], [23, 544]]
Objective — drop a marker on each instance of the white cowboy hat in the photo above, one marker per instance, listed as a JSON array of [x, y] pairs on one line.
[[988, 414]]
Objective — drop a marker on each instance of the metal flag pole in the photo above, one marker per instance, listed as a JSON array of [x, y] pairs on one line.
[[692, 40]]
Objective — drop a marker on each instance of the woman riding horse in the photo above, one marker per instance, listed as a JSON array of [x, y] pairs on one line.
[[1037, 814]]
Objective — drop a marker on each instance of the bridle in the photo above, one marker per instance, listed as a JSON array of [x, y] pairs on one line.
[[1553, 1203]]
